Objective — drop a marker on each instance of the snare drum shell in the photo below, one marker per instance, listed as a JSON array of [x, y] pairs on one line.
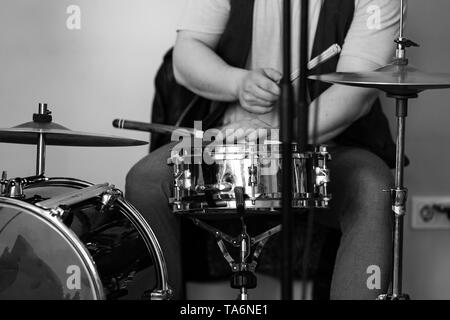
[[205, 184]]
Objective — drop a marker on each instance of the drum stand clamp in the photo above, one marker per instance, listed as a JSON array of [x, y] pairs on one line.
[[243, 277], [13, 188]]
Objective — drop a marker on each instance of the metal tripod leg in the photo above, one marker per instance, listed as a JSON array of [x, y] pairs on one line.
[[243, 277]]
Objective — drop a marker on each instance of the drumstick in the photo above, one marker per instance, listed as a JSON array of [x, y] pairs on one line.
[[331, 52], [157, 128]]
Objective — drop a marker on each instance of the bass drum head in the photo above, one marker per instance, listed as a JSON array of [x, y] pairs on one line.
[[94, 253], [37, 261]]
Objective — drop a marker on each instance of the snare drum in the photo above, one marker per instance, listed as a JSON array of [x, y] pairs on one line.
[[206, 179], [67, 239]]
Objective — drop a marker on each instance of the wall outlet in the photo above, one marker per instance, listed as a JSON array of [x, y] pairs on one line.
[[430, 213]]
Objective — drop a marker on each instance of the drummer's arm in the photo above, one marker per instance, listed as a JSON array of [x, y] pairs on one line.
[[364, 49], [339, 106], [198, 67], [201, 70]]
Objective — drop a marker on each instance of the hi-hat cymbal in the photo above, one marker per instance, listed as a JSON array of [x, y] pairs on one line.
[[58, 135], [393, 79]]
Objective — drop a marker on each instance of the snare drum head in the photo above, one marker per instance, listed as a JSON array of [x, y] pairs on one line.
[[37, 261]]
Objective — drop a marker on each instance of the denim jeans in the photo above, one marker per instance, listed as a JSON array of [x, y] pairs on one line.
[[359, 208]]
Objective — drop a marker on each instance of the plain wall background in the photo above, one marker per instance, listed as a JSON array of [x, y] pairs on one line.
[[106, 71], [88, 77]]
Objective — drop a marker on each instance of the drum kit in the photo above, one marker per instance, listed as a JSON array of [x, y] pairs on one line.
[[62, 238]]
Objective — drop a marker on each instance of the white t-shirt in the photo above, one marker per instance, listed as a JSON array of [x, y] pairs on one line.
[[374, 27]]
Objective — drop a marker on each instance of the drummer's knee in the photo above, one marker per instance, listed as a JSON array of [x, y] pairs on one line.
[[372, 176], [148, 176], [137, 173], [369, 178]]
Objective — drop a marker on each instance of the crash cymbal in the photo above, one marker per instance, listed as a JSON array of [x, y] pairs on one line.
[[58, 135], [393, 79]]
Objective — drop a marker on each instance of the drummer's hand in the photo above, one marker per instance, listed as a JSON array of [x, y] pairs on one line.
[[248, 130], [258, 90]]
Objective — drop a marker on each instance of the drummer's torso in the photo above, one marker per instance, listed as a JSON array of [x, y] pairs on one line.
[[266, 52]]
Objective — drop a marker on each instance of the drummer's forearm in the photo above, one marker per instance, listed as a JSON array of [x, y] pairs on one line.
[[340, 106], [336, 110], [198, 68]]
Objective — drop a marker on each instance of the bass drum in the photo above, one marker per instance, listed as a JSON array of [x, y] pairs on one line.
[[67, 239]]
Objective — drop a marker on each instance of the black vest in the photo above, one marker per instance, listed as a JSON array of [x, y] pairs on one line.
[[171, 100]]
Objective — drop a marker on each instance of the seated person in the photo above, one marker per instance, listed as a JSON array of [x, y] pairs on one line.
[[230, 51]]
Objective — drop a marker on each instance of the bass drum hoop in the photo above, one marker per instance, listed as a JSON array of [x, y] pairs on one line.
[[163, 291]]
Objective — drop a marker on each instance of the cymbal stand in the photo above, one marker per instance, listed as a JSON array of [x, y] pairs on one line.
[[399, 193], [43, 116]]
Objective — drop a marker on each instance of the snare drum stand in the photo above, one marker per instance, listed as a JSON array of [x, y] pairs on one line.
[[243, 277]]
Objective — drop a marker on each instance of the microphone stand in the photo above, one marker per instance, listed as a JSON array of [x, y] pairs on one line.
[[302, 130], [286, 127]]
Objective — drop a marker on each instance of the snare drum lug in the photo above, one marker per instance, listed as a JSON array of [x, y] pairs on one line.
[[253, 181], [187, 179], [322, 176]]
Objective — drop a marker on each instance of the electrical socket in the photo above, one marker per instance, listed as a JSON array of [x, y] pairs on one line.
[[427, 213]]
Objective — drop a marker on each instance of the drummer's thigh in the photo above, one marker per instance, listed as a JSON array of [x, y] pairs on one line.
[[151, 178], [358, 178]]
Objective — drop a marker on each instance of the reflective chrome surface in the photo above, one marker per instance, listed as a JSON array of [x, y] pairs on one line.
[[205, 182]]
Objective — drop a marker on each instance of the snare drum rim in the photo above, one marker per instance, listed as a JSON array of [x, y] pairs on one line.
[[141, 225], [222, 152], [69, 235]]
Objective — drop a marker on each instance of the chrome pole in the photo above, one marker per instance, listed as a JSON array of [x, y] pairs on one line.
[[41, 145], [399, 194], [286, 126], [402, 12], [399, 199]]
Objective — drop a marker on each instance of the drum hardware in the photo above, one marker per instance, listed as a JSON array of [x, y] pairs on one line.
[[210, 188], [3, 182], [43, 116], [13, 188], [400, 82], [243, 272], [253, 180], [76, 196], [109, 199]]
